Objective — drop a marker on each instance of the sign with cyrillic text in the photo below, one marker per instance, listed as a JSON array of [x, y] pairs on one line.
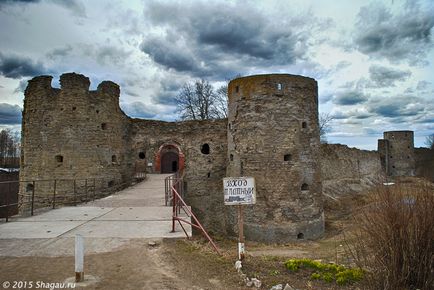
[[239, 190]]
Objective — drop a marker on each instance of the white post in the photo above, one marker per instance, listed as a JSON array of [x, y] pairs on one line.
[[79, 258]]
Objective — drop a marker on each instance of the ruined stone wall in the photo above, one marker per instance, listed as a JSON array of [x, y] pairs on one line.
[[348, 170], [424, 159], [397, 153], [273, 136], [74, 133], [203, 172]]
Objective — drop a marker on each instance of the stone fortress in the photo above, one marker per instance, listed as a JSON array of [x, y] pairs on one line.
[[271, 134]]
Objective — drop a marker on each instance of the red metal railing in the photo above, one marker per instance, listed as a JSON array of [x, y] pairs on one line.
[[178, 203]]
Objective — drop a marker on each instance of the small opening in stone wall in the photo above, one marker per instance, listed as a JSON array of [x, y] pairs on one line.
[[111, 183], [391, 156], [408, 147], [205, 149], [231, 157], [185, 187], [393, 166], [237, 89], [61, 109], [104, 126], [142, 155], [287, 157], [304, 186], [279, 86], [114, 159], [59, 158], [303, 125], [209, 174], [300, 236], [408, 157], [97, 111], [29, 187], [74, 108]]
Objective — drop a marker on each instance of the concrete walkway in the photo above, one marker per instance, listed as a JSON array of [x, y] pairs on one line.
[[136, 212]]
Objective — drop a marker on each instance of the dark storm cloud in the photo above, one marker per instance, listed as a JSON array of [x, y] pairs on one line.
[[167, 95], [355, 114], [386, 77], [379, 33], [108, 54], [166, 53], [5, 2], [399, 107], [350, 97], [60, 52], [10, 114], [137, 110], [222, 40], [16, 67], [166, 98], [75, 6]]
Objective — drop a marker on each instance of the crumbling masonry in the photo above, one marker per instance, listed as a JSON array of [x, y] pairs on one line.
[[271, 134]]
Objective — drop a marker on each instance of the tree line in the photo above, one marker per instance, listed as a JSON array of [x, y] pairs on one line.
[[9, 149]]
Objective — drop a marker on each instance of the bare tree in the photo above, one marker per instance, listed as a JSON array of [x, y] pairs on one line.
[[221, 102], [324, 126], [429, 141], [199, 101], [9, 148]]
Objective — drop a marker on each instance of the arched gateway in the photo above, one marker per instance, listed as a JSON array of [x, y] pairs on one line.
[[169, 158]]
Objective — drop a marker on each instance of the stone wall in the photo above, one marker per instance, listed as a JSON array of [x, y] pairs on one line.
[[424, 159], [273, 136], [346, 170], [203, 172], [73, 133]]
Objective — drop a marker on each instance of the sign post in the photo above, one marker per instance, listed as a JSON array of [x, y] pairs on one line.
[[239, 191], [241, 233]]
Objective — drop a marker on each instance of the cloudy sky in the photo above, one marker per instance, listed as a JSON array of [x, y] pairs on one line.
[[373, 60]]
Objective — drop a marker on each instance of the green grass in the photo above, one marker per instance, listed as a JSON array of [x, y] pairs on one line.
[[326, 272]]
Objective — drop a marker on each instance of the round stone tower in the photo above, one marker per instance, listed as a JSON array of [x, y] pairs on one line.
[[273, 136]]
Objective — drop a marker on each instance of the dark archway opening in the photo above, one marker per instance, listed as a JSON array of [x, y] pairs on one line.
[[169, 162], [174, 166]]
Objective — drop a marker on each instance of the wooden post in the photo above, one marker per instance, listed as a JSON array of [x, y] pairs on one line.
[[241, 233], [54, 193], [79, 258], [33, 199]]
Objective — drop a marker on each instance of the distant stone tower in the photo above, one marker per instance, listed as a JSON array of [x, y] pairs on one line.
[[273, 135], [73, 133], [397, 153]]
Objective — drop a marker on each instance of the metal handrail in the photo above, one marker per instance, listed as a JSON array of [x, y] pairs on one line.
[[72, 194], [178, 203]]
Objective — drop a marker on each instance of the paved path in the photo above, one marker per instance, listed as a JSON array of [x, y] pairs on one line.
[[136, 212]]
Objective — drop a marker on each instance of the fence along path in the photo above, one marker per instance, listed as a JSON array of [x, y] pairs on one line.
[[135, 212]]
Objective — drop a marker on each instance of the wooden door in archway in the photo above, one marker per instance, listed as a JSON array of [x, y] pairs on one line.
[[169, 162]]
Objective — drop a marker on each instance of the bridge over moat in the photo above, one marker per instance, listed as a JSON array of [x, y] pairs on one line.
[[136, 212]]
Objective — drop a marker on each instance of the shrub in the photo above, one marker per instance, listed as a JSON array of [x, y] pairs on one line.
[[395, 237]]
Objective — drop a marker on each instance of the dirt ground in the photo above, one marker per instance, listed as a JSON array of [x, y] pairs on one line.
[[192, 264], [180, 264]]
